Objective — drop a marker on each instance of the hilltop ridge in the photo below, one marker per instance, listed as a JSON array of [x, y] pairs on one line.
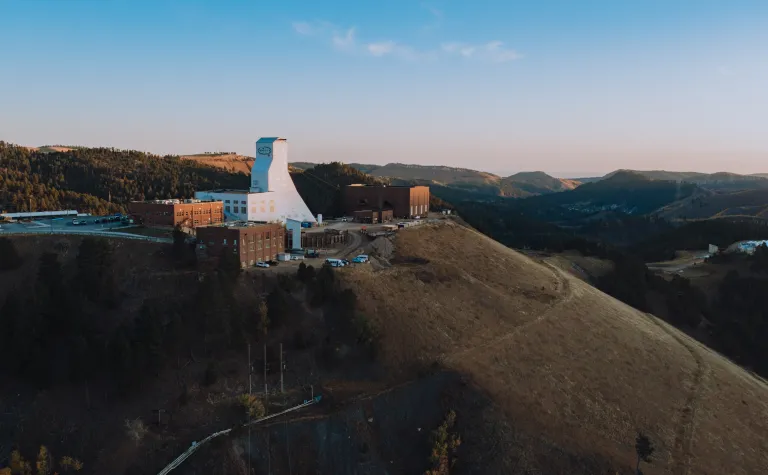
[[575, 372]]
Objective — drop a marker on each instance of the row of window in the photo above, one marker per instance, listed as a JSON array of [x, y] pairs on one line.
[[197, 212], [244, 210], [235, 202], [420, 209]]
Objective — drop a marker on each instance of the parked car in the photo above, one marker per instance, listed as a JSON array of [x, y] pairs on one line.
[[262, 264], [362, 258], [335, 262], [297, 258]]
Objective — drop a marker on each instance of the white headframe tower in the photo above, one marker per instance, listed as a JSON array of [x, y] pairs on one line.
[[272, 196]]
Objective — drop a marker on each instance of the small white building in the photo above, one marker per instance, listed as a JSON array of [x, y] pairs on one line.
[[272, 196]]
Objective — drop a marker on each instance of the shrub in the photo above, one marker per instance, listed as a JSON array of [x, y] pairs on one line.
[[253, 406], [445, 443], [136, 430]]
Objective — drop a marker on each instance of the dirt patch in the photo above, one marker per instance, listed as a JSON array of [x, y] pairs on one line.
[[383, 248]]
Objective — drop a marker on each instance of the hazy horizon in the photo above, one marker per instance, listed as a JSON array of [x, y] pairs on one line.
[[570, 88]]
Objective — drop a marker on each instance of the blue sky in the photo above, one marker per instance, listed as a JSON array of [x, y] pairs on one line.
[[569, 87]]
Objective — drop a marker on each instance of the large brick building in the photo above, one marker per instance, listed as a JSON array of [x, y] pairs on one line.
[[252, 242], [404, 201], [171, 213]]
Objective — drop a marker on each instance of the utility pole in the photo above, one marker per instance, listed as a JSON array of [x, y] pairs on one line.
[[250, 385], [282, 390], [266, 394]]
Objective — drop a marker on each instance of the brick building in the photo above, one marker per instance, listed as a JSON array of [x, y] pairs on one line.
[[172, 213], [252, 242], [404, 201]]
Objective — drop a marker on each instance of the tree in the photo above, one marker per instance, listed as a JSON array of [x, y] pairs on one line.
[[644, 449], [229, 265], [264, 317], [179, 243], [9, 256], [43, 463]]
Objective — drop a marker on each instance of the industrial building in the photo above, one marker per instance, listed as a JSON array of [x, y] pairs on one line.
[[189, 213], [251, 242], [373, 216], [403, 201], [272, 196]]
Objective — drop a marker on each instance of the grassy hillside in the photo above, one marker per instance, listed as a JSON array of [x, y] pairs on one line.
[[575, 373], [705, 205], [230, 162]]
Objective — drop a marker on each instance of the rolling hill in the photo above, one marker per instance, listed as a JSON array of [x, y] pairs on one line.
[[572, 373], [721, 181], [706, 205], [519, 185]]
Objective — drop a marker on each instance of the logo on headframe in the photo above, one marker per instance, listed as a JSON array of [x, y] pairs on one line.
[[265, 151]]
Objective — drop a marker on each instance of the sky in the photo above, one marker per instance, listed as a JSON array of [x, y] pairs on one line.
[[570, 87]]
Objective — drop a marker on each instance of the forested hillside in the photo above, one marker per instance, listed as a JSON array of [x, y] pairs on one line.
[[321, 186], [99, 180]]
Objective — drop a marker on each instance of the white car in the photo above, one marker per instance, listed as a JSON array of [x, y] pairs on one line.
[[262, 264]]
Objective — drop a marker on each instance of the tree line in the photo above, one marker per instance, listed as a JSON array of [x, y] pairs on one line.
[[99, 180]]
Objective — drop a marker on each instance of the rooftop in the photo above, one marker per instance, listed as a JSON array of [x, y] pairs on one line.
[[176, 201], [387, 186], [240, 224], [235, 192], [269, 139]]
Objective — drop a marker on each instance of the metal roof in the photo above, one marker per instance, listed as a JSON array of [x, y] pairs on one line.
[[269, 139]]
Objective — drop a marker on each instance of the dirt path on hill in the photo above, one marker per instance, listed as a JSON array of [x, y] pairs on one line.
[[564, 289], [681, 453]]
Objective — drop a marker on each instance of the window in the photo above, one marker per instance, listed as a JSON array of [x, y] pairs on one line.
[[226, 208], [271, 206], [242, 202], [226, 201], [225, 242], [244, 210], [210, 243], [234, 243]]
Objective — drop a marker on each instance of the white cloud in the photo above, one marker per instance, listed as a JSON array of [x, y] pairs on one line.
[[303, 28], [459, 48], [496, 52], [345, 39], [380, 49], [493, 51]]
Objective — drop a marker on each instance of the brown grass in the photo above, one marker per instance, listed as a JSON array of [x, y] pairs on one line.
[[566, 363], [230, 162]]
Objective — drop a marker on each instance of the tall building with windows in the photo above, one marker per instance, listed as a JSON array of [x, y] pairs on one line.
[[272, 196], [250, 242]]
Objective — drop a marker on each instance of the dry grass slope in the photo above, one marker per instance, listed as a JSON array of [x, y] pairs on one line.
[[230, 162], [567, 364]]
